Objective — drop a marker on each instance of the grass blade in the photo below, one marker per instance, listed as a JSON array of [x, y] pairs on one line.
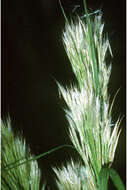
[[116, 179]]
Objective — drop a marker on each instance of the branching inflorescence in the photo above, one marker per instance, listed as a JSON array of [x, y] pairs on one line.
[[91, 129]]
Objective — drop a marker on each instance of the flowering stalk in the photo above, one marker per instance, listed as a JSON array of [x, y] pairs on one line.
[[91, 130]]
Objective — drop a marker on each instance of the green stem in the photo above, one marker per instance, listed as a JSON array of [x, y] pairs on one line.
[[92, 48]]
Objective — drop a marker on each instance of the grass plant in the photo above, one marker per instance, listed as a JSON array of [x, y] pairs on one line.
[[91, 130]]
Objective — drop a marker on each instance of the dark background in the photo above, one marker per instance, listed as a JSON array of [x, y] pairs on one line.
[[33, 55]]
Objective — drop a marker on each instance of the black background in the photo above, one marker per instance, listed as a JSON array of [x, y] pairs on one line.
[[33, 55]]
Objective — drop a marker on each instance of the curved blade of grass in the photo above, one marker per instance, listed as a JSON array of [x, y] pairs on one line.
[[13, 165], [63, 12], [116, 179], [104, 175]]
